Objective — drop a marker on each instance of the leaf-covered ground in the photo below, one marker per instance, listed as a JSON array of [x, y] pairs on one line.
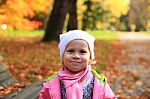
[[30, 60], [129, 70]]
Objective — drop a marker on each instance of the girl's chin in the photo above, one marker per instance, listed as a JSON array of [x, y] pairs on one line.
[[75, 71]]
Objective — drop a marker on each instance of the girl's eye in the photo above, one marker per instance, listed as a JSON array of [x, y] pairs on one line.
[[70, 50], [83, 51]]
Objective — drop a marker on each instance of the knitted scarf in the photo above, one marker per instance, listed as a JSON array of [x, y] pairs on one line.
[[72, 82]]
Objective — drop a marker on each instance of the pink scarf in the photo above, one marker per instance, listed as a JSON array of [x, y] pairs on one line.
[[72, 82]]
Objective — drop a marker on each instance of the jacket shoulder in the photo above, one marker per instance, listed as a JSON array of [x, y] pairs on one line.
[[101, 78]]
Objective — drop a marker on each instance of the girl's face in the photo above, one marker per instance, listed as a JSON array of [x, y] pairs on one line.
[[76, 56]]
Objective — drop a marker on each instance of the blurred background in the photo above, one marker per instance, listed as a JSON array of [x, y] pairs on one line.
[[29, 31], [120, 15]]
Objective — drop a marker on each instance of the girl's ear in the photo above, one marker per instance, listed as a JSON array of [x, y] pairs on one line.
[[92, 62]]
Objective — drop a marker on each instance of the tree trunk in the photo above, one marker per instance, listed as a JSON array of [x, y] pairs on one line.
[[86, 16], [137, 14], [124, 20], [2, 2], [72, 22], [56, 20]]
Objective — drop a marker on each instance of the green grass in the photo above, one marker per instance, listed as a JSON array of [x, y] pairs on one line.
[[104, 35], [100, 35], [16, 33]]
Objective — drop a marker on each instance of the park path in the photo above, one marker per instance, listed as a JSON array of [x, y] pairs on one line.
[[134, 36], [134, 62]]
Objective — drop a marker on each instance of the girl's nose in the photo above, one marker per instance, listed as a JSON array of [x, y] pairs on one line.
[[76, 56]]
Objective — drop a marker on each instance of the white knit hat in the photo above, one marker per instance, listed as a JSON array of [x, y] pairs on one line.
[[76, 34]]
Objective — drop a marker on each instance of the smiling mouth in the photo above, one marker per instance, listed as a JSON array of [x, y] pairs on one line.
[[76, 62]]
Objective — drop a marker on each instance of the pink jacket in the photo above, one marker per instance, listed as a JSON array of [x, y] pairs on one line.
[[51, 89]]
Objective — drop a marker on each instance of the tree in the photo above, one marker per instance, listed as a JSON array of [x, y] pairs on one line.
[[72, 22], [137, 15], [56, 20], [103, 14], [17, 13], [86, 14], [2, 2]]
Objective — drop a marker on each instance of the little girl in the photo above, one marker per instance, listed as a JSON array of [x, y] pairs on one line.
[[76, 80]]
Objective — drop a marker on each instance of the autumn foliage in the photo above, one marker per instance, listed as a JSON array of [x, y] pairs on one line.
[[16, 13]]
